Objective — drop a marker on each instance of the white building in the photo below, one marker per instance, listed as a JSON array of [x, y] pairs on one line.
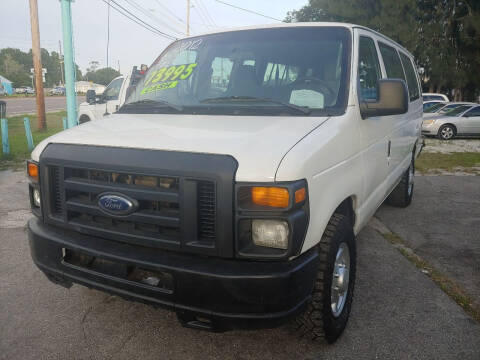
[[83, 86]]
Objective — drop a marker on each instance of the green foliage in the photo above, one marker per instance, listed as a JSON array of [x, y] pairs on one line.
[[102, 76], [15, 65], [18, 141], [443, 35]]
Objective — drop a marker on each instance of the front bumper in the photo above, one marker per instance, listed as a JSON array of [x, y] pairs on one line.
[[205, 292]]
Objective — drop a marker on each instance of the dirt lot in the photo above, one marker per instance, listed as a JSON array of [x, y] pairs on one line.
[[398, 312], [452, 146]]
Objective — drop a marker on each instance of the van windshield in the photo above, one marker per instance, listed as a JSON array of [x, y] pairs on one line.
[[288, 71]]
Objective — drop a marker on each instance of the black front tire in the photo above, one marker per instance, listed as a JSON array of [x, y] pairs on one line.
[[402, 195], [318, 321]]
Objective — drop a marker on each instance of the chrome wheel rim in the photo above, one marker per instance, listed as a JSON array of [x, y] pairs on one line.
[[340, 280], [411, 177], [447, 132]]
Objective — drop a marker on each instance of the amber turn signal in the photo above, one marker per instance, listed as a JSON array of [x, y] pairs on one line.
[[32, 170], [270, 196], [300, 195]]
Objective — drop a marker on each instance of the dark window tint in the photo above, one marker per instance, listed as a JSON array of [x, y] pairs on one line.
[[368, 69], [113, 89], [428, 105], [392, 63], [447, 108], [433, 97], [434, 108], [474, 112], [412, 83], [457, 110]]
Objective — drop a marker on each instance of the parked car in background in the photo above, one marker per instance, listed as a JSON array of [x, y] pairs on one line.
[[464, 120], [110, 100], [436, 110], [58, 90], [24, 90], [429, 104], [434, 96]]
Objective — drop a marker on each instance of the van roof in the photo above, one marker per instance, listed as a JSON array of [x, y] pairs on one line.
[[300, 24]]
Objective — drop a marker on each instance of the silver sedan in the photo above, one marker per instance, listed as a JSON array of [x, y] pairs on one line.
[[464, 120]]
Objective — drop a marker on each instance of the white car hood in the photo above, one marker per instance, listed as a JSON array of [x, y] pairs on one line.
[[258, 143]]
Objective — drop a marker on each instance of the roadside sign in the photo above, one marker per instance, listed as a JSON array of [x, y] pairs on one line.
[[44, 71]]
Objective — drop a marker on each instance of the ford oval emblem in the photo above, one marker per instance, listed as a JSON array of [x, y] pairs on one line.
[[116, 204]]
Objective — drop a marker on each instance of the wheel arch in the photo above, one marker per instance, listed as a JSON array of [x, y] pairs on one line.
[[347, 208], [83, 119], [450, 124]]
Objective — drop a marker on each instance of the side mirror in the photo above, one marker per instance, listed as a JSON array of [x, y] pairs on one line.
[[91, 96], [392, 99]]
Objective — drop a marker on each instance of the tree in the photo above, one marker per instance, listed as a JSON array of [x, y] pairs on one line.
[[443, 35], [15, 65], [102, 76]]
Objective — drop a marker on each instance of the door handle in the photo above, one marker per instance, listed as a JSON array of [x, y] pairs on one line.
[[389, 151]]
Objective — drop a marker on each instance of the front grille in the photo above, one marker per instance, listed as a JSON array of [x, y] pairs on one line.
[[56, 199], [206, 210], [182, 201], [74, 194]]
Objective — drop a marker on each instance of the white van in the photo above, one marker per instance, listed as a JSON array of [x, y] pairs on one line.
[[113, 97], [231, 184]]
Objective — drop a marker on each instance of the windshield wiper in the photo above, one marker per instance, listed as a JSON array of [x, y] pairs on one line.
[[303, 109], [152, 103]]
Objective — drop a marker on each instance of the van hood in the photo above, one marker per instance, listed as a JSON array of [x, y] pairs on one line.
[[258, 143]]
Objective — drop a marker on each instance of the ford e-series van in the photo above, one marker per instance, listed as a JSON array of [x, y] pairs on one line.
[[231, 184]]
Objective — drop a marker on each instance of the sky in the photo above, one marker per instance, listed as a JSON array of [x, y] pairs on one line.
[[130, 44]]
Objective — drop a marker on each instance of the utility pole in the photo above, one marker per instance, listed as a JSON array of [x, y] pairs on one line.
[[188, 17], [108, 28], [61, 61], [68, 62], [37, 65]]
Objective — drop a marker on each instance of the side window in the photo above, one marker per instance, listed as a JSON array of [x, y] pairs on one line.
[[113, 89], [221, 71], [393, 65], [368, 69], [473, 113], [412, 82]]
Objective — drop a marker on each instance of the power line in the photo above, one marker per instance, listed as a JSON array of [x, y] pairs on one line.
[[170, 13], [151, 16], [200, 15], [138, 21], [210, 18], [204, 9], [249, 11]]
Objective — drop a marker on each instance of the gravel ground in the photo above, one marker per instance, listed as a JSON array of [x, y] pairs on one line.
[[398, 312], [455, 145]]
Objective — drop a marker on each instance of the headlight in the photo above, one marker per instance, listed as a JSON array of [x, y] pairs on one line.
[[428, 122], [270, 233], [33, 173], [36, 197], [271, 219]]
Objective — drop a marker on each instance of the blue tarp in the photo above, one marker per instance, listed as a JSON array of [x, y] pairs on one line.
[[7, 85]]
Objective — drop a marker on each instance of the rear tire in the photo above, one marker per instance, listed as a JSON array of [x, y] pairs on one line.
[[321, 320], [402, 195]]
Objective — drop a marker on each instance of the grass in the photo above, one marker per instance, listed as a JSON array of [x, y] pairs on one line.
[[18, 142], [448, 286], [433, 162]]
